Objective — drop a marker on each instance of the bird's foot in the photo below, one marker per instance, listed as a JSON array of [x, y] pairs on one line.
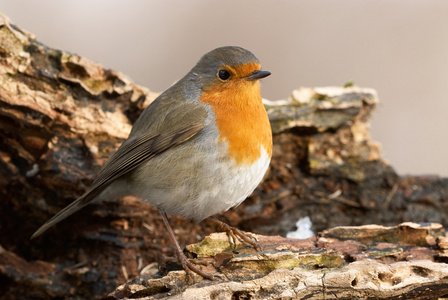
[[190, 266], [246, 238]]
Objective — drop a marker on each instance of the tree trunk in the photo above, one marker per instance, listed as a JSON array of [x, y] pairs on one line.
[[62, 115]]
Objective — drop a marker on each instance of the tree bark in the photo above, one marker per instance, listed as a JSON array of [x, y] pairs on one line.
[[62, 115]]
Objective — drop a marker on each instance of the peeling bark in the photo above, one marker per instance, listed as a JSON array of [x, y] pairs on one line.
[[366, 262], [62, 115]]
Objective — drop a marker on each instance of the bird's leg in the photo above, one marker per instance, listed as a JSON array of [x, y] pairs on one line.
[[233, 233], [187, 264]]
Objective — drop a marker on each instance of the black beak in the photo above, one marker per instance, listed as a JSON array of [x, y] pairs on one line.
[[258, 75]]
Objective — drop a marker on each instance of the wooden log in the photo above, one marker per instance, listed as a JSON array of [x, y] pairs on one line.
[[62, 115]]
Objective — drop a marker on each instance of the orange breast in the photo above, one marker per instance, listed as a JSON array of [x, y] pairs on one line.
[[241, 119]]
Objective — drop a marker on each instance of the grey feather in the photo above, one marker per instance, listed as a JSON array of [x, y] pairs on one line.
[[141, 146]]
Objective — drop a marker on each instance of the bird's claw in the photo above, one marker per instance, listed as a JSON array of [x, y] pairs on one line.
[[189, 265], [246, 238]]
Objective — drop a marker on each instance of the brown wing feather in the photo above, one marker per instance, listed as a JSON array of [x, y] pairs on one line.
[[131, 154]]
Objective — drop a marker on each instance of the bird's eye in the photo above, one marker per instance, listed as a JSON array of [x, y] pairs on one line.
[[223, 74]]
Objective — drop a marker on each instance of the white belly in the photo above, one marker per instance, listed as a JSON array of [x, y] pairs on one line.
[[235, 185], [196, 186], [194, 180]]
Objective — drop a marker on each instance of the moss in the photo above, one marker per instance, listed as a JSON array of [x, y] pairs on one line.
[[310, 262], [10, 41], [210, 247]]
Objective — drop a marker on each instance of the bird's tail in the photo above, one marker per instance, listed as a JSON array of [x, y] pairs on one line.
[[64, 213]]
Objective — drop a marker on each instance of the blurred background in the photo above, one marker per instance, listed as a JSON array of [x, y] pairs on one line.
[[399, 48]]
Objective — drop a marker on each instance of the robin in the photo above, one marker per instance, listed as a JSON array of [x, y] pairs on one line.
[[199, 149]]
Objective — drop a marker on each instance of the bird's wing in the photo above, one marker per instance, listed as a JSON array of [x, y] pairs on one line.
[[137, 149]]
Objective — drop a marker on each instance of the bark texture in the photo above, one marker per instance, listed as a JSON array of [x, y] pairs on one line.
[[366, 262], [62, 115]]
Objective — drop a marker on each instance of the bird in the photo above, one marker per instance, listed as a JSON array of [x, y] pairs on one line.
[[199, 149]]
